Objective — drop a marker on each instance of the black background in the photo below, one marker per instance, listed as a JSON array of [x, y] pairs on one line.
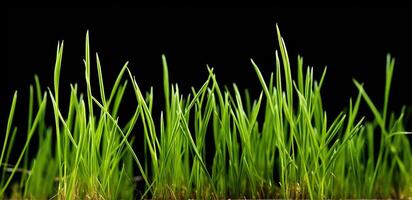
[[351, 40]]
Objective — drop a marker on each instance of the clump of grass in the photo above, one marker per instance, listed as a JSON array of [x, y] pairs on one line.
[[281, 144]]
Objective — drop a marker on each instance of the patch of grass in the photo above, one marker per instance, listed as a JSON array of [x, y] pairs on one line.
[[282, 144]]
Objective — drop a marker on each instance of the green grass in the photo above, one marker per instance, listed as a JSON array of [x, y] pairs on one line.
[[281, 144]]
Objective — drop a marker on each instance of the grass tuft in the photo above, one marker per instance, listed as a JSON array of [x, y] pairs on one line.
[[280, 144]]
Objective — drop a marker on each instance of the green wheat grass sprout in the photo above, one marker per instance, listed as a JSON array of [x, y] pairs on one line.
[[280, 144]]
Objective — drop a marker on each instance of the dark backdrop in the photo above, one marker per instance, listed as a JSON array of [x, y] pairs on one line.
[[351, 40]]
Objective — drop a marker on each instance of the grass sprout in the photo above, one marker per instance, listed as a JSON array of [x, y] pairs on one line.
[[279, 144]]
